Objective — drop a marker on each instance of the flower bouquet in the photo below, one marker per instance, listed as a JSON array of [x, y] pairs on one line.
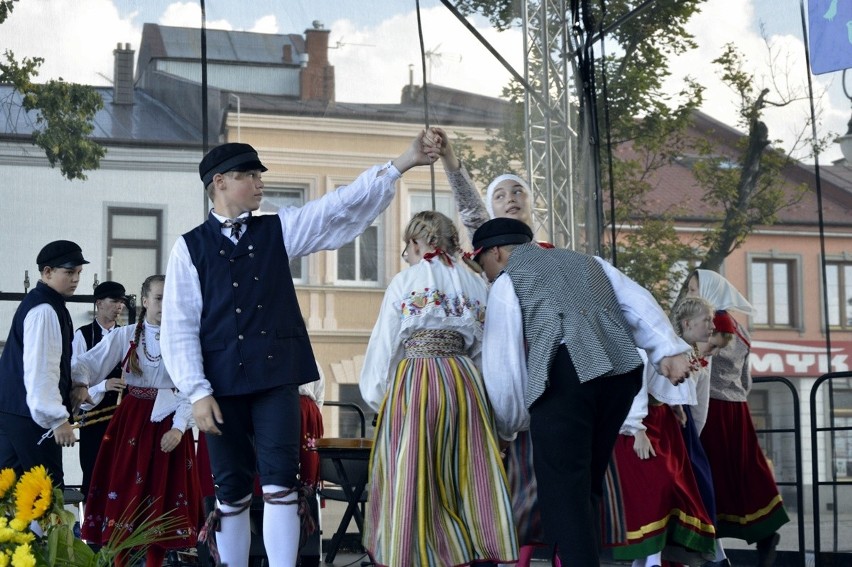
[[37, 531]]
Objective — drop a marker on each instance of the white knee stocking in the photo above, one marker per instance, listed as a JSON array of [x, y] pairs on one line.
[[281, 525], [234, 539]]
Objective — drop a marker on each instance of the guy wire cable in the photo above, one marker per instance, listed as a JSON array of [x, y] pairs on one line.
[[425, 93]]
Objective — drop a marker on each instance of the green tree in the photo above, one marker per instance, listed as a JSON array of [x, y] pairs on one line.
[[648, 130], [64, 112]]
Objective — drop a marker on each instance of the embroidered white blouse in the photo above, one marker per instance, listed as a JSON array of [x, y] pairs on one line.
[[428, 295], [92, 365]]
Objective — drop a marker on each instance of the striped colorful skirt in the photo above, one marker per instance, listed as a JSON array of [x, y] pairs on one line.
[[524, 489], [438, 493], [662, 505], [748, 505]]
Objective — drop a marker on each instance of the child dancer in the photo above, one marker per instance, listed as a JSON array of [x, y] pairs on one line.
[[662, 504], [146, 462], [748, 503], [438, 491]]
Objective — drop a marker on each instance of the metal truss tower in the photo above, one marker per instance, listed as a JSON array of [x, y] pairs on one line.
[[559, 164]]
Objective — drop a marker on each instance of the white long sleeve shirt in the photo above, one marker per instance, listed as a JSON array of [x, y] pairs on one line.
[[42, 354], [93, 365], [504, 351], [79, 346], [323, 224]]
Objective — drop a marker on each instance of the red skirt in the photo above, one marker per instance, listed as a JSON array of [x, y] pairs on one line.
[[133, 476], [748, 505], [661, 501], [309, 461]]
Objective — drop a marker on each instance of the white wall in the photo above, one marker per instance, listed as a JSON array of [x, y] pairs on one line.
[[39, 205]]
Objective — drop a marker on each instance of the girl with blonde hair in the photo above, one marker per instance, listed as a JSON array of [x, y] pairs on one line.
[[438, 491]]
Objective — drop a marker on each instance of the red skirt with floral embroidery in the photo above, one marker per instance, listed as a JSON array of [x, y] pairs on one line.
[[309, 469], [134, 479]]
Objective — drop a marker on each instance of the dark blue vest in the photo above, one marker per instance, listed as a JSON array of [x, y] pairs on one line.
[[13, 393], [253, 336], [93, 334]]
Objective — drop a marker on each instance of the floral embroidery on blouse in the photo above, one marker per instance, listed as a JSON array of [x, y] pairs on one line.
[[432, 301]]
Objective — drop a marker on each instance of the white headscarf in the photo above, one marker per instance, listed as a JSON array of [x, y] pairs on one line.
[[722, 293], [489, 194]]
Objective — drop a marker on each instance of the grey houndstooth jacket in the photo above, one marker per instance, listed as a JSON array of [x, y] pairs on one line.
[[566, 297]]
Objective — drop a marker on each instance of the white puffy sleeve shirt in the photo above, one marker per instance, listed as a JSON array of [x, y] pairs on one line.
[[96, 363], [634, 422], [42, 355], [322, 224], [428, 295]]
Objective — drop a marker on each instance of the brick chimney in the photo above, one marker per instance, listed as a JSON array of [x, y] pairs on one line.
[[317, 76], [122, 75]]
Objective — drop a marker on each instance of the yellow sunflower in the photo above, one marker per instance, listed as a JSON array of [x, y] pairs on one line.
[[7, 481], [33, 495], [23, 556]]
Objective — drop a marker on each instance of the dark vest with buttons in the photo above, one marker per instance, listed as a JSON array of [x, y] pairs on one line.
[[253, 337], [566, 296], [93, 334], [13, 393]]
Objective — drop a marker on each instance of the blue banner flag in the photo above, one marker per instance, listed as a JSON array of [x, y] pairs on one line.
[[830, 35]]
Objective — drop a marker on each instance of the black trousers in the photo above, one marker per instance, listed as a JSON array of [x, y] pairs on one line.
[[574, 427], [20, 449], [260, 434]]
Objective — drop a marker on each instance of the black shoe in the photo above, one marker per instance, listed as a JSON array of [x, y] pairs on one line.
[[766, 550]]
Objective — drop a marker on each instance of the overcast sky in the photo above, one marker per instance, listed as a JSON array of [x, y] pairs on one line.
[[375, 41]]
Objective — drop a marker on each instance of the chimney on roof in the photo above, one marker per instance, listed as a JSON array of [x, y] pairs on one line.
[[317, 76], [287, 56], [122, 75]]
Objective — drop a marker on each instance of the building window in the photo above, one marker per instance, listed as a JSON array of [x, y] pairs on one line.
[[418, 201], [133, 245], [842, 411], [274, 199], [773, 292], [358, 261], [839, 283]]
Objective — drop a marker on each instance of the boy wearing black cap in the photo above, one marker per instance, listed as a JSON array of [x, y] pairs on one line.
[[559, 357], [234, 340], [110, 298], [36, 394]]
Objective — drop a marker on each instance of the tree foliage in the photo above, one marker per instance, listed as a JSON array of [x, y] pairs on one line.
[[64, 112], [648, 129]]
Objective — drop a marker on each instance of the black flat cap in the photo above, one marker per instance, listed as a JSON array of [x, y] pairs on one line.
[[111, 290], [228, 157], [60, 254], [500, 232]]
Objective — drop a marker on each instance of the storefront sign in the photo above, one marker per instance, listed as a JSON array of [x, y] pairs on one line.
[[799, 358]]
